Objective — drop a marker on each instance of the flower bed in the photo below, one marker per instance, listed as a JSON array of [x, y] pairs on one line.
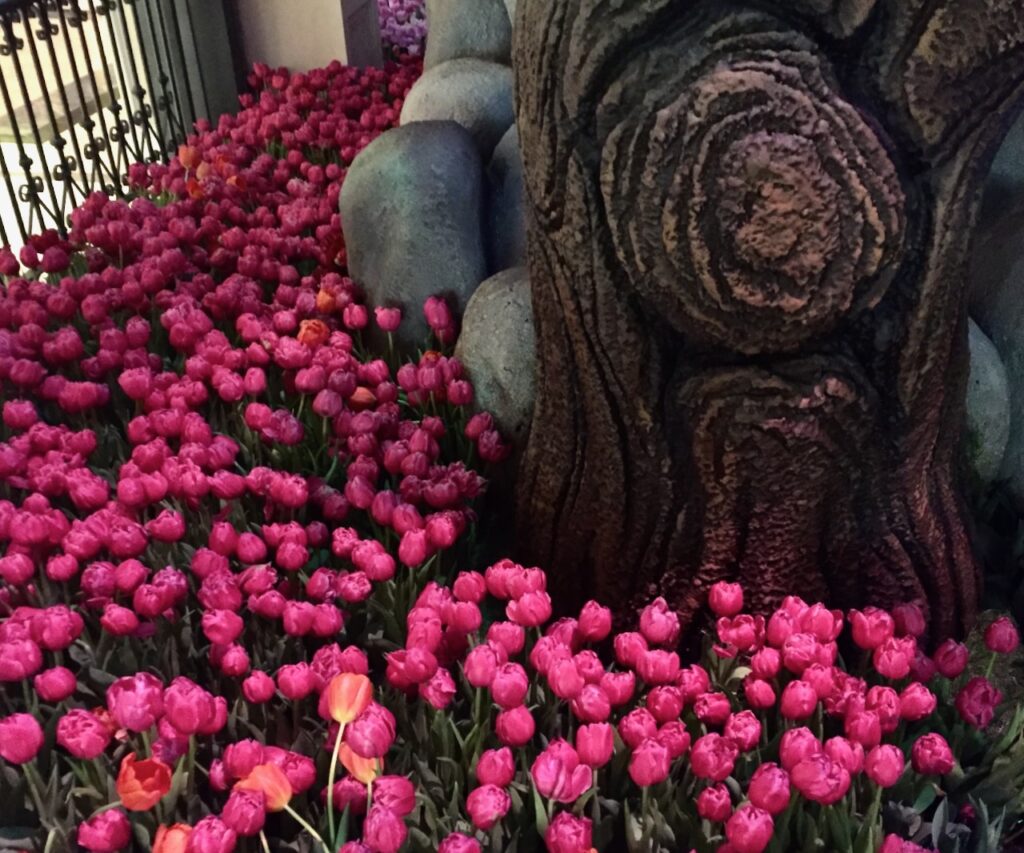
[[244, 604]]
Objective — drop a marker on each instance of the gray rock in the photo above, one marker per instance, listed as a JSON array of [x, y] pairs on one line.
[[475, 93], [506, 213], [467, 28], [412, 206], [498, 348], [988, 406], [997, 304], [511, 6], [1006, 179]]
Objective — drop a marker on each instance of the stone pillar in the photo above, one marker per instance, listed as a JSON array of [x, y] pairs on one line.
[[361, 33]]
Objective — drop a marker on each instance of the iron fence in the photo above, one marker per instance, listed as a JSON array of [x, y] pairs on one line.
[[88, 87]]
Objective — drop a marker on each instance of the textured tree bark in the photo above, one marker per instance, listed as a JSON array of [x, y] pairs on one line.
[[748, 229]]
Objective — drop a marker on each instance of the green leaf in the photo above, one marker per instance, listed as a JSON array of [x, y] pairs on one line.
[[541, 813], [839, 828], [939, 821], [925, 798]]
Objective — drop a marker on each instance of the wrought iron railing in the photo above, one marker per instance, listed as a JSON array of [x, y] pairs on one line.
[[88, 87]]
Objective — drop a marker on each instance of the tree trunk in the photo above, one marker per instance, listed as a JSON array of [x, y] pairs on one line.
[[748, 227]]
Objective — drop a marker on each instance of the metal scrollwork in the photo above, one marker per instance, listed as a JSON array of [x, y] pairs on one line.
[[10, 42], [47, 29], [30, 191]]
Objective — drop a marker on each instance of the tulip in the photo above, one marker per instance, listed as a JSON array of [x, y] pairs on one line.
[[658, 624], [244, 812], [569, 834], [107, 832], [750, 829], [558, 774], [909, 620], [383, 830], [211, 835], [171, 839], [976, 702], [950, 658], [258, 688], [487, 805], [55, 684], [650, 763], [395, 793], [439, 689], [595, 622], [917, 702], [509, 685], [496, 767], [629, 648], [759, 694], [1002, 636], [349, 794], [515, 727], [363, 769], [638, 725], [241, 757], [371, 734], [796, 745], [713, 757], [592, 705], [743, 729], [188, 707], [142, 784], [769, 788], [884, 765], [820, 779], [714, 803], [348, 695], [595, 744], [895, 844], [136, 701], [457, 842], [83, 734], [713, 708], [21, 738], [270, 781], [725, 599], [871, 627]]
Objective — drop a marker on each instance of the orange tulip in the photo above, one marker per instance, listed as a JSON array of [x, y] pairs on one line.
[[348, 695], [189, 156], [313, 332], [362, 398], [325, 302], [172, 839], [271, 781], [363, 769], [142, 784]]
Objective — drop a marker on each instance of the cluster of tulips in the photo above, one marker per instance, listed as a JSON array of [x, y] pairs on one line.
[[244, 605], [403, 25]]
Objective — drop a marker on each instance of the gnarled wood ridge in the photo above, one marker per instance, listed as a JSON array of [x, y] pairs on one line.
[[748, 232]]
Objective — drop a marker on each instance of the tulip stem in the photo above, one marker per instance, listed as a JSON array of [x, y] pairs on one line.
[[305, 825], [991, 665], [330, 781]]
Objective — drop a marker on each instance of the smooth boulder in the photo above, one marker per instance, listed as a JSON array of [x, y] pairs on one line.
[[997, 304], [988, 406], [497, 346], [473, 92], [506, 214], [412, 209], [457, 29]]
